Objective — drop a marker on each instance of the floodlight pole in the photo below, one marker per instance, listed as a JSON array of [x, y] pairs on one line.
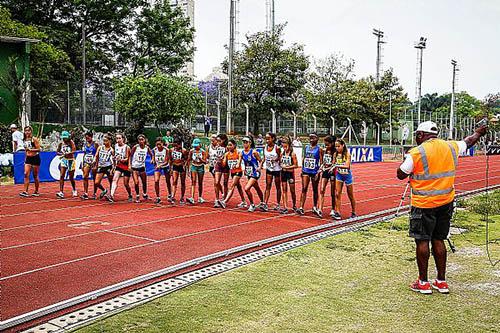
[[452, 107], [380, 35], [230, 68], [333, 125], [420, 46], [349, 129], [390, 120], [315, 123], [294, 125], [378, 133], [247, 119], [84, 87]]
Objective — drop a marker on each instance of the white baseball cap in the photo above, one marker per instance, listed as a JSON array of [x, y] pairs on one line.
[[428, 127], [13, 126]]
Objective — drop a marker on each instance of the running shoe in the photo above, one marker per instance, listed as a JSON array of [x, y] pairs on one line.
[[300, 211], [295, 209], [421, 287], [137, 199], [75, 193], [24, 194], [277, 208], [242, 204], [158, 201], [216, 204], [103, 193], [284, 211], [60, 195], [263, 207], [332, 213], [94, 197], [84, 196], [35, 194], [441, 286], [201, 200], [353, 215], [145, 197], [171, 199], [251, 208], [182, 202], [222, 204], [317, 212], [337, 216], [110, 199], [130, 199], [190, 200]]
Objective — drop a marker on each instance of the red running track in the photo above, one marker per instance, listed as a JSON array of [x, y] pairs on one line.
[[53, 250]]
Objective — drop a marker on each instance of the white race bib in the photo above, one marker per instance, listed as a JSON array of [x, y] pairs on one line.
[[88, 158], [248, 170], [310, 163], [232, 164]]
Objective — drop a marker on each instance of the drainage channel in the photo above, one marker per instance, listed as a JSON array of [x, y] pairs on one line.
[[132, 299]]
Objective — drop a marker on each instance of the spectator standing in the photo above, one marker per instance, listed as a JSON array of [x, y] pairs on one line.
[[17, 139], [208, 125]]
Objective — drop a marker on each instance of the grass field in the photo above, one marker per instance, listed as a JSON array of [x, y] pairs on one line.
[[349, 283]]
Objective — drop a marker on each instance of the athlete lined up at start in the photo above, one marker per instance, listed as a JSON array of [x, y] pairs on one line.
[[319, 168]]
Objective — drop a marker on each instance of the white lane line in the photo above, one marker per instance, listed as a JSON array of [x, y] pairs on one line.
[[133, 236], [137, 246]]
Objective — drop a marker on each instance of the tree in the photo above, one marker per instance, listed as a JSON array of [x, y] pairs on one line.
[[163, 40], [158, 99], [49, 65], [268, 75], [465, 105], [122, 36]]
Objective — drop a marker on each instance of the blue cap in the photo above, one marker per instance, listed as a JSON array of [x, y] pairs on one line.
[[196, 142], [65, 135]]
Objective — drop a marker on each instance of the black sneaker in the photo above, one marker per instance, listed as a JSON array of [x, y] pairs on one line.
[[110, 198], [158, 201], [103, 193], [300, 211], [337, 216], [84, 196], [284, 211], [24, 194], [353, 215]]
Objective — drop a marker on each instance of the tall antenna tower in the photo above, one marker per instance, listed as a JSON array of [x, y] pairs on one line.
[[380, 35], [270, 22], [420, 46]]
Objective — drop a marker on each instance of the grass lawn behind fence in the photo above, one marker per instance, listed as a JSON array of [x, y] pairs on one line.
[[352, 282]]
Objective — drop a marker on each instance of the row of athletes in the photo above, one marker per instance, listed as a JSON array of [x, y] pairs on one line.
[[320, 167]]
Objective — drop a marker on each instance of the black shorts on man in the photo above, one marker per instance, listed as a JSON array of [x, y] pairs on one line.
[[431, 223]]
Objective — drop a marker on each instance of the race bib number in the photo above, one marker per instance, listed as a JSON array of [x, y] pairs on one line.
[[286, 160], [310, 163], [248, 170], [220, 152], [327, 159], [270, 164], [141, 156], [88, 158], [176, 155], [66, 149], [232, 164], [212, 160], [160, 158], [28, 145], [343, 171], [197, 157], [104, 156]]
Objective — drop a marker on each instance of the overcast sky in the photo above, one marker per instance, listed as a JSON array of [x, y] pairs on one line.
[[465, 30]]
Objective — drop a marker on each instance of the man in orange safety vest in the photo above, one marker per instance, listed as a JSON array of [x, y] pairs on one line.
[[431, 167]]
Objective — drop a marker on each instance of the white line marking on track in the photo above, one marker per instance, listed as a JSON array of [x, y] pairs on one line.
[[133, 236]]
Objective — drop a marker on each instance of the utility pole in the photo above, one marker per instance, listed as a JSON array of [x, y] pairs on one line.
[[84, 86], [420, 46], [270, 22], [380, 35], [68, 96], [230, 68], [390, 119], [452, 107]]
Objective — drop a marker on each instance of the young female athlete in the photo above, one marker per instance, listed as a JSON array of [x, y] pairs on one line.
[[31, 162], [66, 150], [138, 163], [272, 157], [212, 154], [104, 162], [197, 159], [344, 175], [179, 157], [327, 171], [88, 165], [221, 170], [122, 157], [288, 164], [313, 157], [252, 162], [233, 160], [162, 166]]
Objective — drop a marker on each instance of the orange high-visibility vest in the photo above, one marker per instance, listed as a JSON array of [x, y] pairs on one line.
[[433, 178]]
